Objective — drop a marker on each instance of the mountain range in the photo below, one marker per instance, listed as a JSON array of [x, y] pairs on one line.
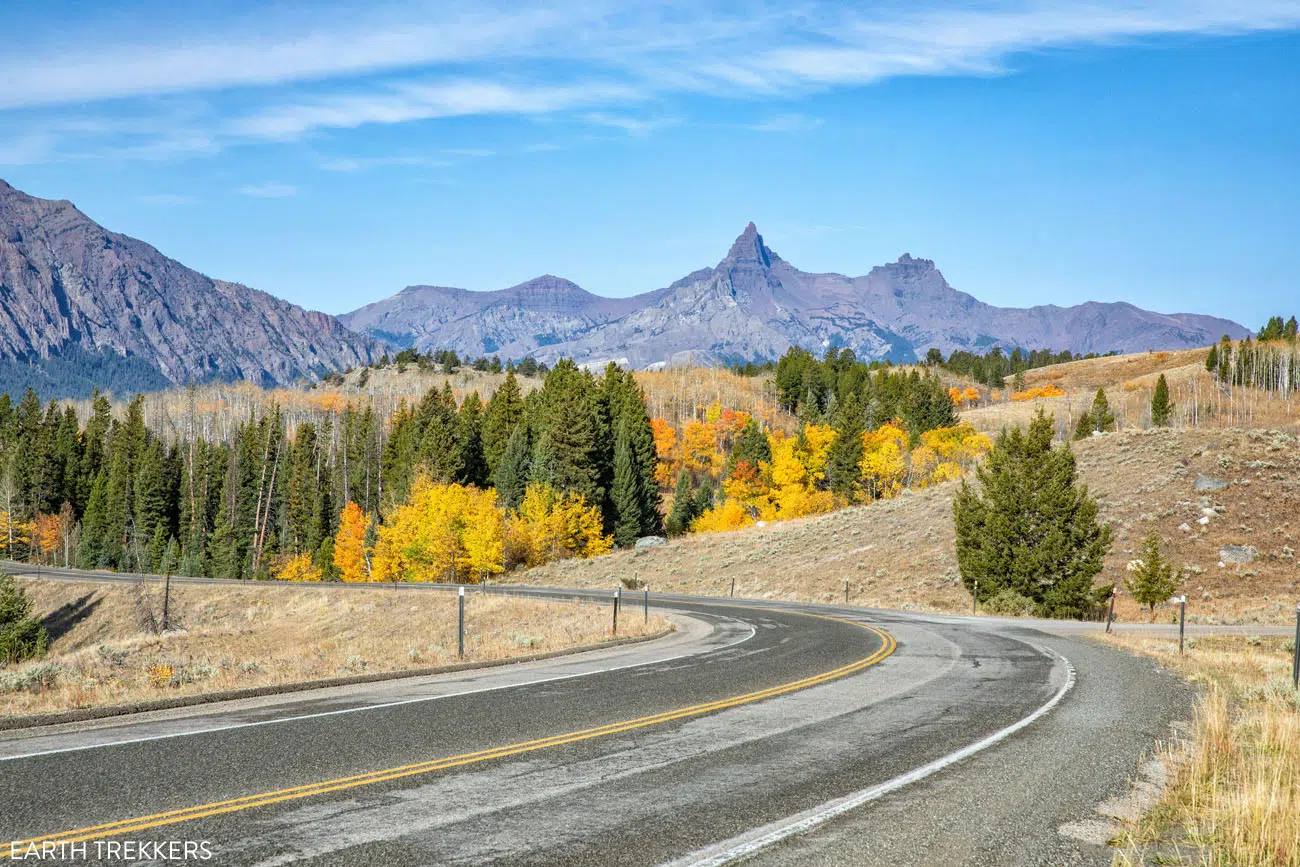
[[81, 306], [753, 305], [84, 307]]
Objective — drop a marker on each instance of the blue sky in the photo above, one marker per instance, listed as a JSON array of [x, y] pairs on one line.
[[1050, 152]]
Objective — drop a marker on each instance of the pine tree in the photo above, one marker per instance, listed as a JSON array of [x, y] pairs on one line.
[[469, 442], [1290, 330], [512, 471], [751, 447], [21, 635], [1102, 418], [1212, 360], [1018, 381], [1032, 528], [1162, 408], [703, 499], [504, 413], [843, 473], [683, 510], [1083, 428], [625, 493], [1152, 578]]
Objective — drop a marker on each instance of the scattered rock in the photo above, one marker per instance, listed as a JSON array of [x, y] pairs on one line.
[[1209, 483], [1238, 553], [1185, 527], [651, 542]]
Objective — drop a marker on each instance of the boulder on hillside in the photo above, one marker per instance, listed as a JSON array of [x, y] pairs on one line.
[[1209, 483], [650, 542], [1238, 553]]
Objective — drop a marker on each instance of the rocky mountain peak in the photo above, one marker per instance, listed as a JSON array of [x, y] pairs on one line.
[[749, 248]]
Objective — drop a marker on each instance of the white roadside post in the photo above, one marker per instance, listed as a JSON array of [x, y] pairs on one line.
[[460, 627], [618, 597]]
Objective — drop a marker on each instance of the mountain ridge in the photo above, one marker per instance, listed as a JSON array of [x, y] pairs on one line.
[[753, 305], [70, 288]]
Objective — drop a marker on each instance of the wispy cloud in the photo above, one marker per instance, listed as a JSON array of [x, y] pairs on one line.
[[268, 191], [269, 78], [629, 125]]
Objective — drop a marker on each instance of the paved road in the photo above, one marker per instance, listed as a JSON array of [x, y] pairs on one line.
[[671, 751]]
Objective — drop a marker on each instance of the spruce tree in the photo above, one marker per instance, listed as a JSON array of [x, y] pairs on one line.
[[1102, 418], [703, 499], [504, 413], [1152, 578], [751, 447], [683, 510], [21, 635], [511, 476], [1032, 527], [625, 493], [1162, 408], [469, 442], [1212, 360], [1083, 428], [842, 459]]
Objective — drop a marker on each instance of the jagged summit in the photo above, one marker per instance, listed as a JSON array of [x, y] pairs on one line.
[[749, 247]]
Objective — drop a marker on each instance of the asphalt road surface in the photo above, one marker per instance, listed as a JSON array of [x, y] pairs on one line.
[[781, 733]]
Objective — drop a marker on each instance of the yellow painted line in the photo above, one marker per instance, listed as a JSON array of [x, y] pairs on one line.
[[129, 826]]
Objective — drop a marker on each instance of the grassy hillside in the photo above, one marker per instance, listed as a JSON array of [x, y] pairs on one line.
[[900, 553]]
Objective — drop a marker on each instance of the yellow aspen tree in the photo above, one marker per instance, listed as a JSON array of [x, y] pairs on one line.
[[484, 537], [725, 516], [350, 552], [299, 569], [883, 460]]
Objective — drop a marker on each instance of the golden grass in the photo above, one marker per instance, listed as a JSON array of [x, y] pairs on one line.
[[226, 637], [1234, 798]]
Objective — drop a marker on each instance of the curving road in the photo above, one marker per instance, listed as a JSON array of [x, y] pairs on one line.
[[784, 733]]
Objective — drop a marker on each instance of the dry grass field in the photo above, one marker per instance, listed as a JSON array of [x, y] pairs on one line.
[[105, 652], [1234, 795], [900, 553]]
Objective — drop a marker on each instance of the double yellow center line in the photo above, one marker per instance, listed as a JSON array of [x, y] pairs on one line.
[[217, 808]]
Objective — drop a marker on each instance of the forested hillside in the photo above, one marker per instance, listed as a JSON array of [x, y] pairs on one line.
[[452, 486]]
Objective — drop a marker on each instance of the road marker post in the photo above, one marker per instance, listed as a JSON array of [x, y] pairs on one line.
[[846, 591], [1182, 621], [167, 594], [460, 626], [1110, 617], [733, 585], [647, 604], [975, 599], [618, 597], [1295, 650]]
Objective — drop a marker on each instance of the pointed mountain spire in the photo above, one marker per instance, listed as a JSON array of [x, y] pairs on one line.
[[749, 247]]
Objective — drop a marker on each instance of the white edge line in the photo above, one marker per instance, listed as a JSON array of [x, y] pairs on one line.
[[369, 707], [751, 842]]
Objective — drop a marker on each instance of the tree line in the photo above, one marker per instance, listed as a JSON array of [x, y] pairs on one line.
[[113, 494]]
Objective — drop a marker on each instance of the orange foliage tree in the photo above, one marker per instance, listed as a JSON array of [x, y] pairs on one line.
[[351, 551]]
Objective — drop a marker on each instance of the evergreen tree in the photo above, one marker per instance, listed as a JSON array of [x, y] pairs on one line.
[[512, 471], [302, 492], [1162, 408], [21, 635], [1102, 418], [751, 447], [842, 471], [703, 499], [504, 412], [1032, 528], [1152, 578], [1018, 381], [469, 442], [541, 464], [571, 428], [1212, 360], [683, 510], [1290, 330], [626, 494], [1083, 428]]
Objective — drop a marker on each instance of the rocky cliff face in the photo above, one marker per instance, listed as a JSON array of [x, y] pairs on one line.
[[755, 305], [68, 285]]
